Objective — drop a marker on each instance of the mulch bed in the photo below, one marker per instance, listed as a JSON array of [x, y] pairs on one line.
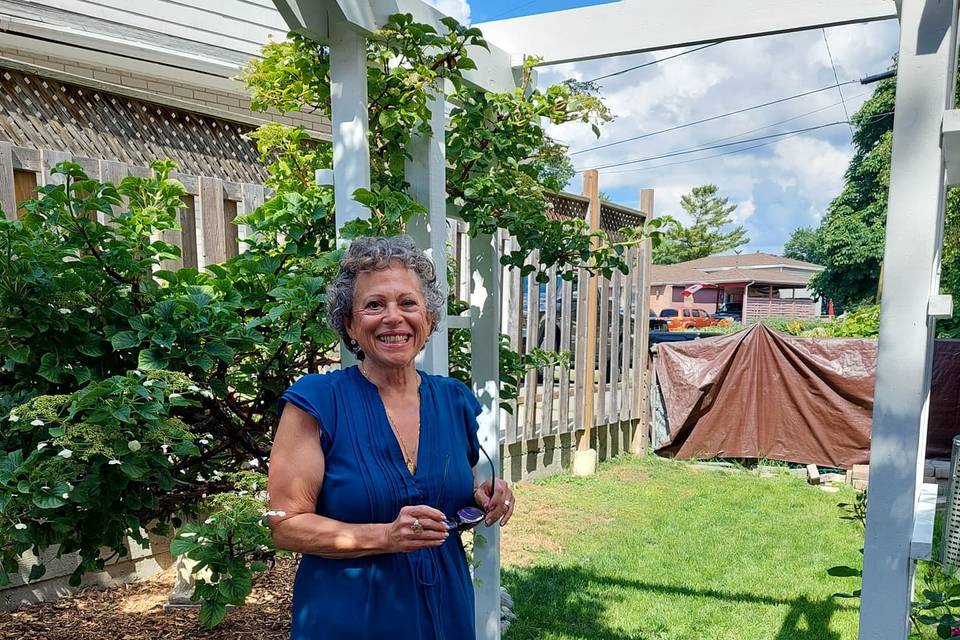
[[135, 612]]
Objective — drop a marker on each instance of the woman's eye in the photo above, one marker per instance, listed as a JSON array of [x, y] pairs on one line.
[[409, 303], [373, 305]]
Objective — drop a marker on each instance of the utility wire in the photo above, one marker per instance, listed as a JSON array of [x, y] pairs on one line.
[[730, 153], [653, 62], [716, 146], [835, 77], [712, 118]]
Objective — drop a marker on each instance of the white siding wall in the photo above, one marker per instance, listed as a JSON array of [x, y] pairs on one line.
[[235, 25]]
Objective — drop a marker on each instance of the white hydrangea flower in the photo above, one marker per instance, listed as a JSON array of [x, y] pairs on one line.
[[134, 445], [209, 521], [41, 446], [241, 493], [114, 461], [204, 441], [64, 311], [206, 393], [90, 309], [37, 423], [188, 534], [13, 417], [137, 372], [193, 387], [254, 463], [165, 448], [174, 395], [66, 495], [66, 453], [20, 526], [148, 383]]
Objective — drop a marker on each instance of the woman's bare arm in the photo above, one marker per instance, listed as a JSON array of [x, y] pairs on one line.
[[295, 482]]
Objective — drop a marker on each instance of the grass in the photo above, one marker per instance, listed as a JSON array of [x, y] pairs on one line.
[[653, 550]]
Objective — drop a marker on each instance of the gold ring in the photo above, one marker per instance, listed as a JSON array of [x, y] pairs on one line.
[[416, 526]]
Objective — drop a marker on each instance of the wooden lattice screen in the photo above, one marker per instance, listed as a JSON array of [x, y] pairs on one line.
[[43, 113]]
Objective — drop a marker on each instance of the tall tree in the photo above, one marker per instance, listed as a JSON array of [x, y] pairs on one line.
[[710, 213], [804, 245]]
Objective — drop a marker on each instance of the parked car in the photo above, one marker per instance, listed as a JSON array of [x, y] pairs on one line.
[[669, 313], [731, 310], [657, 323], [692, 319]]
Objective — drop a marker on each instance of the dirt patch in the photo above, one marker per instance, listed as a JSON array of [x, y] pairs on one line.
[[135, 612], [626, 473], [539, 526]]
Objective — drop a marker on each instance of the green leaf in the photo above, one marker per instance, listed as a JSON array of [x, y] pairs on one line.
[[50, 369], [124, 340], [181, 546], [212, 613], [36, 572], [134, 468], [257, 565], [151, 359], [47, 500], [220, 351], [235, 590], [19, 354]]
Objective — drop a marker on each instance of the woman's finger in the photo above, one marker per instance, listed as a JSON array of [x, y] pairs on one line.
[[508, 503]]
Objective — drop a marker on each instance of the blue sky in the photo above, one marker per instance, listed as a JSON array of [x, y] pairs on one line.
[[778, 187]]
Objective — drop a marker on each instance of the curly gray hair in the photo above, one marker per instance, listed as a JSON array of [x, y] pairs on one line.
[[368, 254]]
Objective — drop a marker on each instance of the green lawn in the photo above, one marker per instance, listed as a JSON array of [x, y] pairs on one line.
[[654, 550]]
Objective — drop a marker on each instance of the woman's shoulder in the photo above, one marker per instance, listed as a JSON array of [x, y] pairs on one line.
[[447, 384], [328, 379]]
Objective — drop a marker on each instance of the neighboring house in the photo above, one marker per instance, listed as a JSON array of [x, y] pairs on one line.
[[766, 286]]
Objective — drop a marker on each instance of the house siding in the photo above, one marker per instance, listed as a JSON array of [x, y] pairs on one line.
[[235, 25]]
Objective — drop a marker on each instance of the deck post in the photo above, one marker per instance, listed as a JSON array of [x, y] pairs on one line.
[[485, 364], [925, 89]]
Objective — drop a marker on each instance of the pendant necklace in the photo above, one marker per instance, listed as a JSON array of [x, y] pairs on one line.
[[407, 458]]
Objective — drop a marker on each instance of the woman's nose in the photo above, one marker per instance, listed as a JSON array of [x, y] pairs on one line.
[[392, 312]]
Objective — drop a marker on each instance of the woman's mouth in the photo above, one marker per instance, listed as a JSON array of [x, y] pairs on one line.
[[394, 339]]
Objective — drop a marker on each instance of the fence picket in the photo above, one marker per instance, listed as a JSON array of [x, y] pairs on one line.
[[580, 372], [212, 228], [563, 390], [549, 344], [618, 329], [530, 343], [8, 189], [603, 349]]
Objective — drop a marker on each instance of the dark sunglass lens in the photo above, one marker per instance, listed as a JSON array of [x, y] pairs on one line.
[[469, 515]]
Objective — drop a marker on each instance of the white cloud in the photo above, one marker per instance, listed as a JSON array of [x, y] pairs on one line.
[[780, 184], [459, 9]]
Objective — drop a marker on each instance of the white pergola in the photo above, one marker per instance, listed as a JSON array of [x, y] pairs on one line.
[[926, 157]]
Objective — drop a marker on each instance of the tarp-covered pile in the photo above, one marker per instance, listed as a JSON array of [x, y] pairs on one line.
[[762, 394]]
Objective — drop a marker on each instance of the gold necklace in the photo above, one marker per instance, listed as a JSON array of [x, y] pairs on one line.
[[409, 460]]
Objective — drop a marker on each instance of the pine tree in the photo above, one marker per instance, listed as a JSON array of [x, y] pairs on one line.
[[705, 236]]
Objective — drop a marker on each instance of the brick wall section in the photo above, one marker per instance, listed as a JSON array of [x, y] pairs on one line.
[[224, 102]]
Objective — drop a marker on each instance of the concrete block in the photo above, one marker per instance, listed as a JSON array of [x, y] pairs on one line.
[[813, 474], [585, 462], [859, 485], [861, 472]]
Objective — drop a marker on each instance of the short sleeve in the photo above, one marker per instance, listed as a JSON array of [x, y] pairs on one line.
[[313, 394], [471, 409]]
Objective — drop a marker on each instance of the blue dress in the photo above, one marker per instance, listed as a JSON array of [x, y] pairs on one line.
[[423, 595]]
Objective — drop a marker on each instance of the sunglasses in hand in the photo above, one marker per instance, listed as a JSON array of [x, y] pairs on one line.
[[468, 517]]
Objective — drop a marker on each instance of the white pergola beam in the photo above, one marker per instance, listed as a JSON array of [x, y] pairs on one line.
[[635, 26], [925, 89], [315, 19], [426, 172]]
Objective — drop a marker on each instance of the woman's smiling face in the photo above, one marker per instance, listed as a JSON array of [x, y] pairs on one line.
[[389, 318]]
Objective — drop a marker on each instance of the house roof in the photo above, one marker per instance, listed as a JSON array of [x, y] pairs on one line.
[[748, 260], [683, 273]]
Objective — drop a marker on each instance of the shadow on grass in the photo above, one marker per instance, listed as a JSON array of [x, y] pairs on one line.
[[578, 603]]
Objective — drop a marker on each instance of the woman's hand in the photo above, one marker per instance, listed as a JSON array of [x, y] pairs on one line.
[[498, 506], [416, 527]]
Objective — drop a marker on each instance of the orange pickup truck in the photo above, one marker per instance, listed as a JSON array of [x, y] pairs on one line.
[[691, 319]]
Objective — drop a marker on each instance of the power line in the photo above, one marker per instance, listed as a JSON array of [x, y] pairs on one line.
[[648, 64], [712, 118], [717, 146], [730, 153], [835, 77]]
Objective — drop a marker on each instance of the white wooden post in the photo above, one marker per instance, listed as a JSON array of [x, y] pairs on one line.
[[485, 355], [348, 101], [426, 173], [925, 89]]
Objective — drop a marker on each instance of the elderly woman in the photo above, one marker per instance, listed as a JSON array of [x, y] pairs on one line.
[[371, 463]]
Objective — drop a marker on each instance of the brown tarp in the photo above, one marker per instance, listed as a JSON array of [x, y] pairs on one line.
[[762, 394]]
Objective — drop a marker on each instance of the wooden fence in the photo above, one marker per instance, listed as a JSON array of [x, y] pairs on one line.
[[207, 234], [547, 419], [551, 316]]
